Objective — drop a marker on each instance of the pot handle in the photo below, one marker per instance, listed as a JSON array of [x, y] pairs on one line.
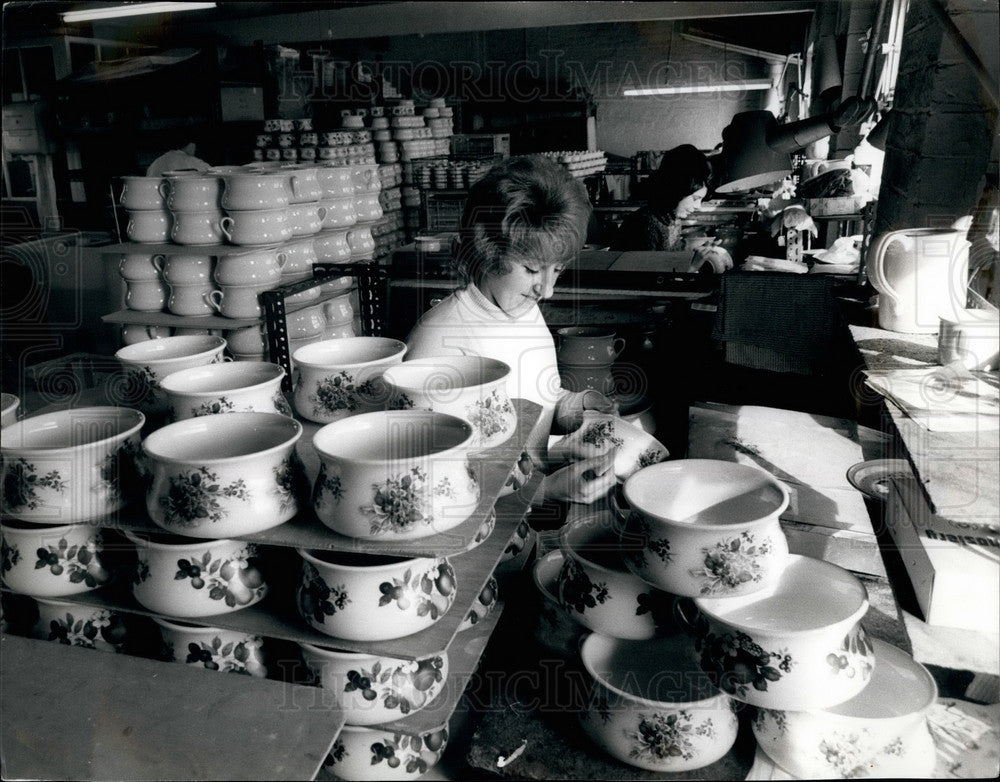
[[873, 265], [214, 299], [618, 346], [224, 225]]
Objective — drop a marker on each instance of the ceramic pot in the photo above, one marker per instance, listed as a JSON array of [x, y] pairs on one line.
[[196, 228], [340, 213], [667, 722], [588, 345], [52, 561], [191, 301], [146, 295], [470, 387], [181, 577], [554, 630], [256, 227], [373, 689], [239, 301], [599, 432], [212, 648], [149, 227], [332, 247], [192, 192], [337, 378], [220, 475], [247, 190], [8, 409], [142, 193], [702, 527], [256, 267], [71, 466], [336, 181], [400, 475], [74, 624], [186, 269], [140, 266], [363, 754], [797, 646], [226, 388]]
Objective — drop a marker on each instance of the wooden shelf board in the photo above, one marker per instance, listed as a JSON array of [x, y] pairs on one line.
[[73, 713]]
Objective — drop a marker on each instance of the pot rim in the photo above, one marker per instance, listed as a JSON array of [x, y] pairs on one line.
[[463, 364], [451, 451], [595, 638], [771, 517], [46, 529], [125, 354], [347, 655], [704, 605], [232, 419], [126, 430], [567, 548], [172, 623], [400, 351], [388, 731], [263, 369], [542, 562], [138, 538], [308, 556]]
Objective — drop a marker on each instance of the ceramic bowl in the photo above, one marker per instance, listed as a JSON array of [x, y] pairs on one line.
[[337, 378], [702, 527], [483, 605], [71, 466], [649, 708], [372, 689], [470, 387], [367, 597], [147, 363], [399, 475], [220, 475], [880, 732], [596, 589], [554, 630], [226, 388], [186, 578], [363, 754], [797, 645], [635, 448], [8, 409], [44, 561], [74, 624], [212, 648]]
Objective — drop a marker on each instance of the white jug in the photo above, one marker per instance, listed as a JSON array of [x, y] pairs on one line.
[[921, 275]]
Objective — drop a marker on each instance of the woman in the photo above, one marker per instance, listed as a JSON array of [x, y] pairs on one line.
[[523, 223], [675, 190]]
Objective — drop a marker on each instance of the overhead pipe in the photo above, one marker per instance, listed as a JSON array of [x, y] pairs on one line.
[[874, 42]]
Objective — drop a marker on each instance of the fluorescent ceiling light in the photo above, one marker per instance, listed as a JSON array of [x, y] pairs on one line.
[[753, 84], [133, 9]]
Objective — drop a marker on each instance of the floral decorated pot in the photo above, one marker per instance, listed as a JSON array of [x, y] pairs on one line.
[[147, 363], [400, 475], [189, 578], [661, 721], [226, 388], [373, 598], [44, 561], [71, 466], [634, 448], [372, 689], [212, 648], [880, 732], [373, 753], [797, 645], [597, 590], [470, 387], [554, 629], [485, 530], [482, 606], [704, 528], [74, 624], [341, 377], [222, 475]]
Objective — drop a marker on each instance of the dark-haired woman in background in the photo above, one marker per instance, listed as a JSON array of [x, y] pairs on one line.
[[674, 191]]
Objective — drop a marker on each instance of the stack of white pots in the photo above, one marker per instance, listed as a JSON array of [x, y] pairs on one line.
[[773, 630], [149, 220], [194, 202]]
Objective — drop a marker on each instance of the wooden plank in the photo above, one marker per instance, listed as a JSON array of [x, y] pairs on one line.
[[73, 713]]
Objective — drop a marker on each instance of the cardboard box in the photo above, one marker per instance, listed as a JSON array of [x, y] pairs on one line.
[[954, 566]]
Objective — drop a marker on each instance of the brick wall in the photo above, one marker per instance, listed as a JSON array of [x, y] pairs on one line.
[[942, 127]]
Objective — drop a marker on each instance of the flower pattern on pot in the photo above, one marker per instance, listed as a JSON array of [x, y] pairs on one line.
[[634, 548], [490, 415], [316, 599], [120, 473], [856, 656], [576, 590], [662, 737], [843, 754], [737, 662], [79, 632], [337, 753], [404, 500], [291, 482], [731, 563], [401, 402], [339, 392], [80, 562], [10, 555], [421, 590], [195, 495], [241, 657], [392, 679], [21, 483], [220, 405], [327, 483], [237, 582], [652, 455], [600, 433], [281, 404], [404, 750]]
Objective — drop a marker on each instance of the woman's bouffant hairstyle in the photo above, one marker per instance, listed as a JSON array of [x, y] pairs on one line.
[[524, 207], [682, 171]]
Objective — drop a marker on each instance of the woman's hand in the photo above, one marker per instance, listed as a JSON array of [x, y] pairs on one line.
[[584, 481], [717, 258], [570, 407]]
